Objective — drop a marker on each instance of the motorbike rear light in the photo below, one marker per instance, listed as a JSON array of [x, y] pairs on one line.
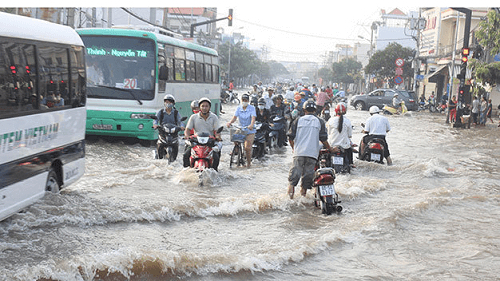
[[376, 146], [324, 179]]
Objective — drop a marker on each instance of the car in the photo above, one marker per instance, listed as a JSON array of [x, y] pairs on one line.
[[379, 97]]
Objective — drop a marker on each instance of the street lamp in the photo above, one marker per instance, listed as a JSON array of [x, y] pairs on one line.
[[229, 56]]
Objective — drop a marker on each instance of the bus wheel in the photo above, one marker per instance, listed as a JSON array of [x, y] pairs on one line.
[[52, 184]]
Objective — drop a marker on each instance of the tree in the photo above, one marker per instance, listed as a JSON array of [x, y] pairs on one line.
[[243, 61], [488, 35], [346, 71], [382, 63]]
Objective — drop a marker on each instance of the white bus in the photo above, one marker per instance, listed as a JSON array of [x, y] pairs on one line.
[[42, 110], [130, 70]]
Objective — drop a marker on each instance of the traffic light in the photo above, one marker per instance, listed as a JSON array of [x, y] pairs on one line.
[[465, 55], [230, 18]]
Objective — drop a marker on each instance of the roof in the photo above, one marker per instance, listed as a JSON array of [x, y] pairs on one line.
[[34, 29], [395, 12]]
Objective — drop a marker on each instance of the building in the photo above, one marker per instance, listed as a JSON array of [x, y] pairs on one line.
[[440, 44]]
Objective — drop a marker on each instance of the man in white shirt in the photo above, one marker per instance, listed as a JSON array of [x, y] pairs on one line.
[[377, 126]]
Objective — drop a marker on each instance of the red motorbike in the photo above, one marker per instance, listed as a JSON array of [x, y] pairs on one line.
[[325, 196], [203, 147]]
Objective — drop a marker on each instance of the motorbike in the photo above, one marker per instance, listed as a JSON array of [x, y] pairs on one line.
[[325, 196], [202, 148], [340, 161], [373, 151], [394, 111], [275, 135], [168, 139], [259, 142]]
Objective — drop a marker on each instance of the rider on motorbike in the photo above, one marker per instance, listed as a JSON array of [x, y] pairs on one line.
[[168, 115], [203, 121], [280, 109], [396, 102], [340, 131], [377, 126]]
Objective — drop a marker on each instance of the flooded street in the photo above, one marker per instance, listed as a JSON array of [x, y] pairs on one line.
[[432, 215]]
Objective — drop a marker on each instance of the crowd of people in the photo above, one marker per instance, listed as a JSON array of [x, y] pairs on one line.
[[307, 126]]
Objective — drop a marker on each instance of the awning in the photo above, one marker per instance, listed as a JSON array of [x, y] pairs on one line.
[[430, 75]]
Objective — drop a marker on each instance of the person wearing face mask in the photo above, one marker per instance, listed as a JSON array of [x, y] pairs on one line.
[[246, 114], [168, 115], [203, 121], [280, 109], [263, 116]]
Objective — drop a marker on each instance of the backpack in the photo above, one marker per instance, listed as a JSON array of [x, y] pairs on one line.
[[175, 115]]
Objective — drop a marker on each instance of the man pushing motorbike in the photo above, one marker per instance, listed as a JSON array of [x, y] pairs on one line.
[[305, 135]]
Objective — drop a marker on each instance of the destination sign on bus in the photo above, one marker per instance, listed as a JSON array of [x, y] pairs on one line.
[[96, 51]]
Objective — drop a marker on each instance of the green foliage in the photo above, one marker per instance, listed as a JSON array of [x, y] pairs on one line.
[[488, 32], [488, 35], [245, 62], [382, 63], [346, 70]]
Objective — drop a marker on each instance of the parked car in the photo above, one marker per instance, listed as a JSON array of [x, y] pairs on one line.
[[379, 97]]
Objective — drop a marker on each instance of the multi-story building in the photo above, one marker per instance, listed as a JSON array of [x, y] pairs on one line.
[[440, 46]]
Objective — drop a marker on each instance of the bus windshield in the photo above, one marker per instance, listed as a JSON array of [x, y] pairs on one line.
[[117, 63]]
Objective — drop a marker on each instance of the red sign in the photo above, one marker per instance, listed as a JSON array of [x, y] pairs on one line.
[[400, 62], [399, 71]]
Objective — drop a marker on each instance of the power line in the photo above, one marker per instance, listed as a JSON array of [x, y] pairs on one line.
[[296, 33]]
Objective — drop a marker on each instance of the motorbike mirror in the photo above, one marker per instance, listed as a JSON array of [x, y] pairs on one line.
[[363, 125], [152, 116], [184, 118], [220, 129]]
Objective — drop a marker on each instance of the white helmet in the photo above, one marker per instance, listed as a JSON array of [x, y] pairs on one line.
[[396, 94], [374, 109], [169, 97]]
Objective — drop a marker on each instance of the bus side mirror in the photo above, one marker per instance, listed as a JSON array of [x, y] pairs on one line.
[[163, 73]]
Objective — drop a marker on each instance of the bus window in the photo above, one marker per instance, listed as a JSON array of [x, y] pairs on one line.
[[17, 82], [162, 84], [169, 54], [208, 72], [53, 65], [190, 71], [215, 74], [199, 67], [180, 70], [78, 79]]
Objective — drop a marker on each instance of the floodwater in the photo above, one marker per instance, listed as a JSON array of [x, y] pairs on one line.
[[433, 215]]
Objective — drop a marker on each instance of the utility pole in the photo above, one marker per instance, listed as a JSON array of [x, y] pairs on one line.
[[463, 67]]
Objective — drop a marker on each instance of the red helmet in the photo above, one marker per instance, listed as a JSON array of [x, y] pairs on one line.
[[340, 109]]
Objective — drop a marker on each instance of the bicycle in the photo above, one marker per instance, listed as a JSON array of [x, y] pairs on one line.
[[238, 136]]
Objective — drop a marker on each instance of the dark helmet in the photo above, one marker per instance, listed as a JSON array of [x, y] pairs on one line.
[[309, 105], [262, 101], [254, 100], [245, 97]]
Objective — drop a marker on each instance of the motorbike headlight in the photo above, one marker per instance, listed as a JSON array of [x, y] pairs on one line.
[[203, 140]]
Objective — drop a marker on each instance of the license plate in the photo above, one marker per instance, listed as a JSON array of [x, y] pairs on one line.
[[375, 157], [338, 160], [102, 127], [325, 190]]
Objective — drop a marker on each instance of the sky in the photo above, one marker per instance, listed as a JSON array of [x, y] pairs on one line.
[[303, 32]]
